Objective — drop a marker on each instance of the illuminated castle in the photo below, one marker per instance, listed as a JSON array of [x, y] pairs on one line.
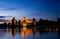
[[13, 21], [26, 22]]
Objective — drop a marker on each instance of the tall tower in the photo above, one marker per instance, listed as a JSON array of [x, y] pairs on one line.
[[34, 21], [23, 21], [14, 21], [10, 21]]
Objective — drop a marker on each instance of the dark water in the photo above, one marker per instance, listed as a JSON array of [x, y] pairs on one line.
[[25, 33]]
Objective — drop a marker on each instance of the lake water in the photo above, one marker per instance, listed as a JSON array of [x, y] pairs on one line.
[[25, 33]]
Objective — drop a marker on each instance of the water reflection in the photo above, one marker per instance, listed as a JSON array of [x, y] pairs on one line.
[[13, 32], [27, 33]]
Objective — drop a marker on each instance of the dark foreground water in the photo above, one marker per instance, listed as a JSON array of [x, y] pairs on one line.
[[25, 33]]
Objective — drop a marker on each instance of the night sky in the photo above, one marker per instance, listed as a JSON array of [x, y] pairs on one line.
[[45, 9]]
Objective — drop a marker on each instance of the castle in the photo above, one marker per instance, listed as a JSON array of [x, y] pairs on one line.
[[24, 21]]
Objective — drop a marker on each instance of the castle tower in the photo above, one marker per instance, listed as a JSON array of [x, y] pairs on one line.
[[14, 21], [23, 21]]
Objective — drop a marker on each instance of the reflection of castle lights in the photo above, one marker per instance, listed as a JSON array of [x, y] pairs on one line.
[[24, 24], [26, 32], [13, 32], [24, 28]]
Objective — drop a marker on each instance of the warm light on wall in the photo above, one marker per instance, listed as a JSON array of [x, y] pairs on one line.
[[24, 24], [24, 18], [34, 22], [10, 21], [29, 21], [15, 22], [23, 21]]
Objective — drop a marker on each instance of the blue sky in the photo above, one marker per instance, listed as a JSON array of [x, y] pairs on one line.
[[45, 9]]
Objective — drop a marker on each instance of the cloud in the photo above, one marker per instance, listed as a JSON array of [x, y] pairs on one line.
[[9, 8], [6, 7], [2, 7], [4, 16], [3, 20]]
